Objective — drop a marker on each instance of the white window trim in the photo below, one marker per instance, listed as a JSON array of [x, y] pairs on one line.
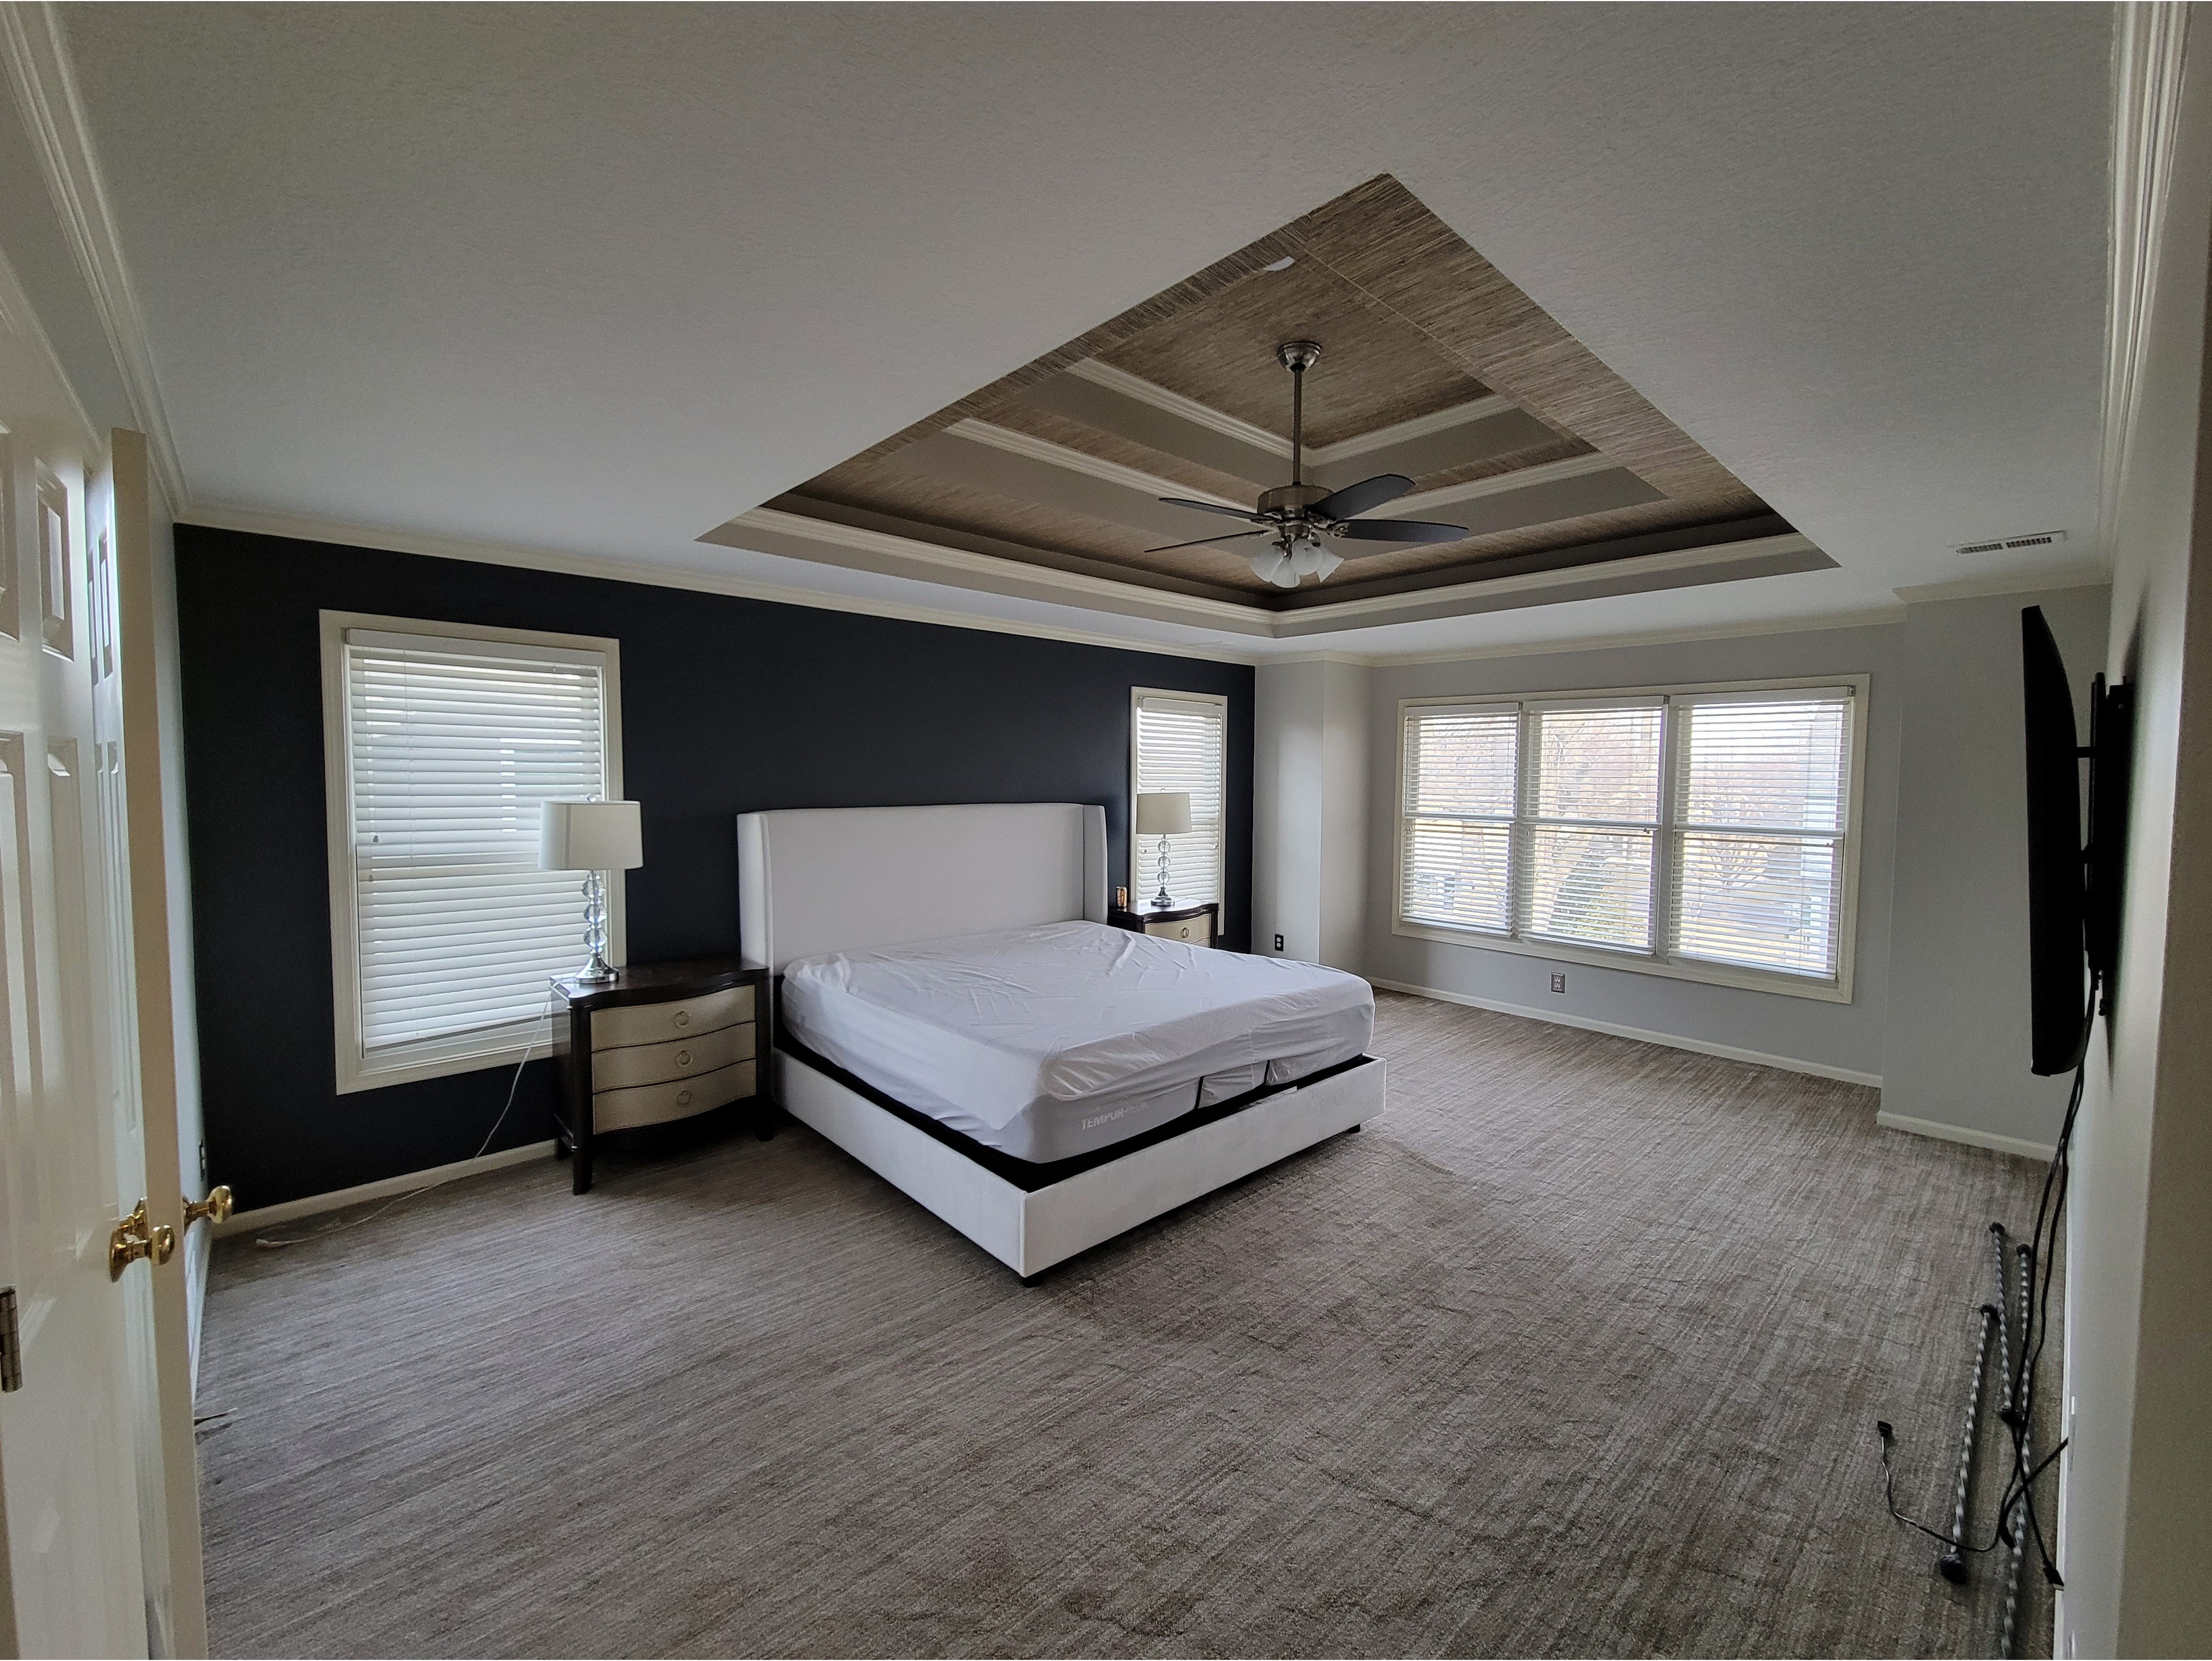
[[465, 1052], [1137, 888], [1716, 974]]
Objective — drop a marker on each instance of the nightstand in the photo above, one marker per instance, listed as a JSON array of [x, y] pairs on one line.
[[659, 1042], [1198, 924]]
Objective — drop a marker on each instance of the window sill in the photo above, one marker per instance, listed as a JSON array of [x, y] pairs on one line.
[[1710, 974], [474, 1052]]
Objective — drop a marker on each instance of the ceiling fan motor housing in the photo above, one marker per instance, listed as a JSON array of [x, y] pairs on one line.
[[1290, 501]]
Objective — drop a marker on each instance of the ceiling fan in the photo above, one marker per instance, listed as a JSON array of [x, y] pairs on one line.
[[1295, 516]]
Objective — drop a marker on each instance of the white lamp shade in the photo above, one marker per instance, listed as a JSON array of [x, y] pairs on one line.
[[590, 836], [1162, 812]]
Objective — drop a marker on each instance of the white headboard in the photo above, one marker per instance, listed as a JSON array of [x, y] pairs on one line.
[[850, 879]]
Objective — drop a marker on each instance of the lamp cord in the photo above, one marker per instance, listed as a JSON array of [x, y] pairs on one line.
[[543, 1029]]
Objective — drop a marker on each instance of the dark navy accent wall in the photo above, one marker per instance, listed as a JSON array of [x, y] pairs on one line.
[[727, 705]]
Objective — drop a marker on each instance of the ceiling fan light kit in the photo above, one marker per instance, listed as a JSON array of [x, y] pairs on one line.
[[1295, 516]]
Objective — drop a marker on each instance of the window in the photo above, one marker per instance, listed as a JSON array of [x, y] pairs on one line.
[[441, 744], [1179, 741], [1705, 832]]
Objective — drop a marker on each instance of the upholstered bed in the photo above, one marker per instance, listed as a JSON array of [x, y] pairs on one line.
[[951, 1010]]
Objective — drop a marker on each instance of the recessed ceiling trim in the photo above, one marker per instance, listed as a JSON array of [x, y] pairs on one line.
[[1680, 559], [1190, 409], [1187, 608], [772, 530], [1259, 438], [1404, 431], [1497, 484], [1076, 461]]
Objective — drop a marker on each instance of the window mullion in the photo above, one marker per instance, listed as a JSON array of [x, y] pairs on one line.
[[1664, 907]]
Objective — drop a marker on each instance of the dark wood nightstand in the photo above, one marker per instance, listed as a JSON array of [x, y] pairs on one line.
[[1199, 924], [659, 1042]]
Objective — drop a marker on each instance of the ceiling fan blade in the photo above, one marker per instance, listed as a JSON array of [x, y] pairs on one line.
[[1403, 530], [1357, 499], [1212, 507], [1233, 537]]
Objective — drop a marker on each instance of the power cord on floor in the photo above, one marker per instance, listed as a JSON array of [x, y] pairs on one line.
[[274, 1243], [2035, 1324]]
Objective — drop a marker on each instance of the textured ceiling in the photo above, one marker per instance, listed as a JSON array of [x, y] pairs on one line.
[[1516, 431]]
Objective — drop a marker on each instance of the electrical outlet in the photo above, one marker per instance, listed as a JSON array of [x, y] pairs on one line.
[[1559, 982], [1279, 942]]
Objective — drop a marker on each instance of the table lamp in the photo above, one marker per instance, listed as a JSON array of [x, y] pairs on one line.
[[1162, 813], [597, 837]]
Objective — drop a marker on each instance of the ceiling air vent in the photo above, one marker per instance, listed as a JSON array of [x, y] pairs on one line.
[[2005, 544]]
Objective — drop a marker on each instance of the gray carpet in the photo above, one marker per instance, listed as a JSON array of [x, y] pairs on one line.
[[1578, 1350]]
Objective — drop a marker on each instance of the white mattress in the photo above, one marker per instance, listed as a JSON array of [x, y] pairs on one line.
[[1049, 1042]]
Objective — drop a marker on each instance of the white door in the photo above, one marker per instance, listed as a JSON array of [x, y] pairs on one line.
[[81, 1427]]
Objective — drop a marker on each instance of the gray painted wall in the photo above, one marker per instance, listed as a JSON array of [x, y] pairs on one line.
[[1958, 1040], [1938, 1011], [1844, 1037], [1311, 775]]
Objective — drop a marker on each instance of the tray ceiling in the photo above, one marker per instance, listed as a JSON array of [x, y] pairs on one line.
[[1433, 365]]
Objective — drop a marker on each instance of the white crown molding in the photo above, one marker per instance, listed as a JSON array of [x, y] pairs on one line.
[[45, 91], [305, 528], [1202, 612], [2146, 61], [1863, 617], [1199, 612], [1679, 559], [1356, 660], [17, 315], [2092, 574], [1190, 409], [1076, 461]]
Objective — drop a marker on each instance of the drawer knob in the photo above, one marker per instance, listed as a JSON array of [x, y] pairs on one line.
[[682, 1097], [684, 1057], [684, 1017]]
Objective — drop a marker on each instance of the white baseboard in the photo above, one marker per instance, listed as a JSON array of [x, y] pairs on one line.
[[1942, 1132], [1557, 1018], [271, 1216]]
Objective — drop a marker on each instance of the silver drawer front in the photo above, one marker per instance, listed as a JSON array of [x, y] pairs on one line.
[[651, 1023], [680, 1058], [653, 1104], [1190, 929]]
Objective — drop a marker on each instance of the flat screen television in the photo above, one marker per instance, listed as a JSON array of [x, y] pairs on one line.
[[2073, 878]]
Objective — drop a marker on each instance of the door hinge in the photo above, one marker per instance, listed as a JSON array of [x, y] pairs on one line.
[[11, 1343]]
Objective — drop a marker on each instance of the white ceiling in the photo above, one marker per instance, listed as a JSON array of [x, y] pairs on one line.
[[594, 280]]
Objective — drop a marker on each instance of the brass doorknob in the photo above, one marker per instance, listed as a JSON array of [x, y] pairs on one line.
[[216, 1208], [132, 1239]]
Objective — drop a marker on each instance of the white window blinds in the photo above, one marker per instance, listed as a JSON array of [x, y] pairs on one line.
[[452, 744], [1762, 791], [1180, 743], [1456, 856], [1593, 819], [1698, 828]]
